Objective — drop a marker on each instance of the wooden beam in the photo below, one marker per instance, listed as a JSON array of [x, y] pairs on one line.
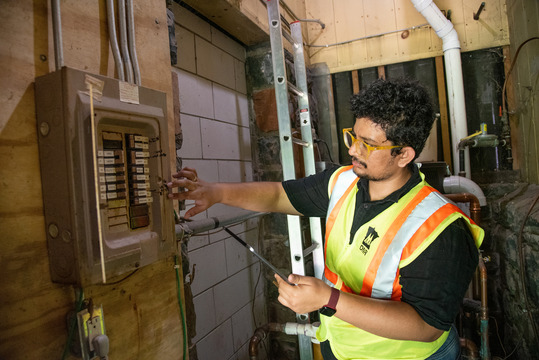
[[511, 106], [381, 72], [444, 118], [355, 81]]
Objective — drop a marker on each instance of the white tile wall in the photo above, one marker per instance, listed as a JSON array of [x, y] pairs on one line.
[[205, 314], [241, 83], [196, 96], [238, 257], [214, 64], [218, 344], [236, 291], [216, 142], [192, 22], [210, 267], [186, 49], [228, 45], [225, 141], [243, 324], [235, 171], [230, 106], [198, 241], [192, 139]]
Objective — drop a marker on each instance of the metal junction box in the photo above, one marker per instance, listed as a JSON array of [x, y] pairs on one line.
[[105, 203]]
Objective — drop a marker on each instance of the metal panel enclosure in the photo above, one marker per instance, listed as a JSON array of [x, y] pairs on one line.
[[126, 219]]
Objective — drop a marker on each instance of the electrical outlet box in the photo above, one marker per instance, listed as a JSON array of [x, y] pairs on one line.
[[90, 326], [103, 175]]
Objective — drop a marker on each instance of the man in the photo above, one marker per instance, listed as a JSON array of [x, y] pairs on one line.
[[398, 256]]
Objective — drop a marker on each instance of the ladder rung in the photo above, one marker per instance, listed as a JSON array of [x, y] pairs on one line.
[[309, 250], [288, 37], [300, 142], [295, 90]]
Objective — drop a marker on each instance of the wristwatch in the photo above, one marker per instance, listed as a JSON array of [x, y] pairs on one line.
[[331, 307]]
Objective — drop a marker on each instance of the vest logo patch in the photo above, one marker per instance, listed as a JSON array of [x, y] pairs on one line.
[[369, 238]]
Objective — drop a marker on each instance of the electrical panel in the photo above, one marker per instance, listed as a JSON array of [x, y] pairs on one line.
[[103, 175]]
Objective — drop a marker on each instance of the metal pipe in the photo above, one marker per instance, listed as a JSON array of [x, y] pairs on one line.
[[289, 328], [123, 41], [485, 348], [114, 40], [475, 205], [454, 80], [131, 40], [57, 30], [458, 184], [475, 214], [198, 226], [470, 347], [260, 334]]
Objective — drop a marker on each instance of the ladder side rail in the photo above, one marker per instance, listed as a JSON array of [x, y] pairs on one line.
[[287, 155], [307, 136]]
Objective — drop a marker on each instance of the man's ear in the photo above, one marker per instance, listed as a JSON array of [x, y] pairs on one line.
[[405, 156]]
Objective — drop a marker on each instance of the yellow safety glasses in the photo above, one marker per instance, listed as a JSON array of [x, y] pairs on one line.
[[350, 140]]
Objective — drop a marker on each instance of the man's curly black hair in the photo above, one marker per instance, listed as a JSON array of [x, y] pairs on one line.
[[402, 108]]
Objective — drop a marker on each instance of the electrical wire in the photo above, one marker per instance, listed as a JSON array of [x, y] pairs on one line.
[[513, 62], [367, 37], [184, 330], [522, 270], [72, 326]]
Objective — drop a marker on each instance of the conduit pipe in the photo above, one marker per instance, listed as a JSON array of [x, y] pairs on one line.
[[114, 40], [57, 30], [453, 73], [289, 328], [198, 226], [459, 184], [124, 49], [131, 41]]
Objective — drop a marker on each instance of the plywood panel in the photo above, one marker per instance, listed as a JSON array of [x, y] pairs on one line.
[[323, 10], [380, 18], [141, 313], [390, 15], [352, 13]]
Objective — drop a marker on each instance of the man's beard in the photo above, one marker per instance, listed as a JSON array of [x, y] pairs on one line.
[[368, 177]]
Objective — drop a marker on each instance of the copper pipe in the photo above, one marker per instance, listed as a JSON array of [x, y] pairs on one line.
[[475, 208], [471, 349], [260, 334], [475, 214]]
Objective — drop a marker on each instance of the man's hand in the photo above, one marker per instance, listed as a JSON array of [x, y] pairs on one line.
[[192, 188], [308, 295]]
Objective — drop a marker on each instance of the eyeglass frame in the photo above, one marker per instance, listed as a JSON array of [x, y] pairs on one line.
[[369, 148]]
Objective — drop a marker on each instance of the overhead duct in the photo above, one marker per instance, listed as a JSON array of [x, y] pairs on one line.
[[453, 74]]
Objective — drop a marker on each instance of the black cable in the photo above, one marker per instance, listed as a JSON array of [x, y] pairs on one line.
[[522, 271]]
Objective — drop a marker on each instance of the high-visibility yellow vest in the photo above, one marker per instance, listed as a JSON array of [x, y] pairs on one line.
[[370, 264]]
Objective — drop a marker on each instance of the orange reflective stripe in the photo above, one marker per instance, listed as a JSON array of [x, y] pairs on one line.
[[428, 227], [336, 175], [370, 275], [334, 278], [397, 288]]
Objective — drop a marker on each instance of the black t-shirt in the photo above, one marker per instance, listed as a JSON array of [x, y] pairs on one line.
[[436, 281]]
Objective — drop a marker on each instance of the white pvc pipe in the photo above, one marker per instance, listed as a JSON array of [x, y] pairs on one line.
[[453, 72], [458, 184]]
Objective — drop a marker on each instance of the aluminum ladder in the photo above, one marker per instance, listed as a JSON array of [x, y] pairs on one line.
[[282, 87]]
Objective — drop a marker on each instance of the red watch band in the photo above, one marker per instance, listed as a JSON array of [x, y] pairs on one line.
[[332, 303]]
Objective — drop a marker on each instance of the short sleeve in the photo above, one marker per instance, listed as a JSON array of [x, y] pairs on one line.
[[435, 283], [309, 195]]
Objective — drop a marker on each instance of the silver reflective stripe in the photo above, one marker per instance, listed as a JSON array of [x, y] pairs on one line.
[[343, 182], [385, 276], [327, 281]]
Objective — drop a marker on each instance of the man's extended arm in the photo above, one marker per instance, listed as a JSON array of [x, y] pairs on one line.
[[255, 196], [390, 319]]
